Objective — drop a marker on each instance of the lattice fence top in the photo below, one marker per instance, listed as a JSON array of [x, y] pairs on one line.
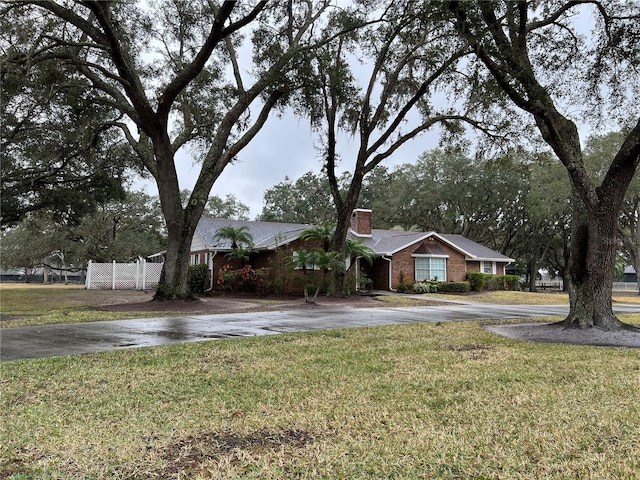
[[123, 276]]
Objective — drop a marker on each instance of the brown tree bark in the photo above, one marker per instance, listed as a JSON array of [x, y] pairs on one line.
[[591, 266], [595, 208]]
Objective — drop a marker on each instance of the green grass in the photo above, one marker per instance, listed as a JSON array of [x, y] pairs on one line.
[[33, 304], [414, 401], [445, 401]]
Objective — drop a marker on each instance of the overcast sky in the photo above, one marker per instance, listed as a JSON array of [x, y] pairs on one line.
[[284, 147]]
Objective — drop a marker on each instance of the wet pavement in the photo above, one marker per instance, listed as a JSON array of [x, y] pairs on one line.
[[72, 339]]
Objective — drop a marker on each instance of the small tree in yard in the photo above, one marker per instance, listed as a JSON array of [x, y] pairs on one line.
[[355, 250], [320, 233], [305, 260], [241, 242]]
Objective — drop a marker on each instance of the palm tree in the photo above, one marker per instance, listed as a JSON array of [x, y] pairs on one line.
[[330, 260], [236, 235], [241, 241], [322, 233], [327, 261], [305, 260], [356, 249]]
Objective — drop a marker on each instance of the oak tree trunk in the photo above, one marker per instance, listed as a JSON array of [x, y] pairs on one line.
[[343, 222], [181, 223], [338, 281], [533, 269], [174, 280], [591, 268]]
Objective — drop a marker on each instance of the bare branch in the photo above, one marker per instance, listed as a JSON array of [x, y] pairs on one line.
[[417, 96], [234, 64]]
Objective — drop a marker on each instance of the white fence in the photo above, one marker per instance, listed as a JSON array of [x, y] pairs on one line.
[[556, 284], [625, 286], [123, 276]]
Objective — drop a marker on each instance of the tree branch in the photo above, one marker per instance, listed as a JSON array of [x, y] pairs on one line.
[[216, 34], [130, 79]]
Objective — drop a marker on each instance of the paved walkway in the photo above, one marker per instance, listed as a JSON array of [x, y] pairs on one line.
[[71, 339]]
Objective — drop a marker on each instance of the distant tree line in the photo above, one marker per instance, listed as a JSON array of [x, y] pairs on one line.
[[517, 204]]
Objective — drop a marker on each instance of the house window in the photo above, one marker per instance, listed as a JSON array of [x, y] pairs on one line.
[[431, 268], [488, 267], [308, 264]]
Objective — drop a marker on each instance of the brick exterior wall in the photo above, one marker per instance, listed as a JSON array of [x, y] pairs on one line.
[[361, 221], [475, 267], [291, 282], [405, 263], [286, 280]]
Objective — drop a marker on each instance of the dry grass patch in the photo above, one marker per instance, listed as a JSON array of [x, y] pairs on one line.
[[625, 298], [528, 298], [509, 298], [414, 401], [406, 301], [28, 304]]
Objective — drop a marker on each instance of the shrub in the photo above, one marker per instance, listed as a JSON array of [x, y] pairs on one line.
[[198, 275], [402, 286], [477, 281], [366, 283], [505, 282], [454, 287], [245, 279], [512, 282], [493, 283], [482, 281], [425, 287]]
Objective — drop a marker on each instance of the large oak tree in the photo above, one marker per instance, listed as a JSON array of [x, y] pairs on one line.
[[56, 153], [172, 71], [538, 56], [407, 58]]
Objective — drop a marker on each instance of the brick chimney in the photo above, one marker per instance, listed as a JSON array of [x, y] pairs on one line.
[[361, 222]]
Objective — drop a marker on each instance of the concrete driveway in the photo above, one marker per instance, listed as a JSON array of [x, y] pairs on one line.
[[72, 339]]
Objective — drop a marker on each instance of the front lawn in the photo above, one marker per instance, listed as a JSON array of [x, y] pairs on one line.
[[407, 402], [32, 304]]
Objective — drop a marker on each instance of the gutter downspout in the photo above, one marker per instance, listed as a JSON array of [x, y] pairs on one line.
[[215, 252], [388, 260], [357, 275]]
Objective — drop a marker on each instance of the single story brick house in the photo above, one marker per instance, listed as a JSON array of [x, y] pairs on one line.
[[399, 255]]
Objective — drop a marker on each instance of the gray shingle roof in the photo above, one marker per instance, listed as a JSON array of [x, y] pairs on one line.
[[266, 235], [473, 249], [388, 242], [270, 235]]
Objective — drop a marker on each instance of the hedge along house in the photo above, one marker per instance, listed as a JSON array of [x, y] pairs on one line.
[[400, 257]]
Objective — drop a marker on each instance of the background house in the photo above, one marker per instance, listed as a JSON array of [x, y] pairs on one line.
[[400, 257], [630, 274]]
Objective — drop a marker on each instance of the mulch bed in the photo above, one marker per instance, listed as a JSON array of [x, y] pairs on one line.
[[242, 303]]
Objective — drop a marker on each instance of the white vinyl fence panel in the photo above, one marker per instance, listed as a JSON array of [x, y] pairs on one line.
[[625, 286], [140, 275]]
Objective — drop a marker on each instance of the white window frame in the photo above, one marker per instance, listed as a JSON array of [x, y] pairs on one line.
[[429, 258], [492, 267]]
